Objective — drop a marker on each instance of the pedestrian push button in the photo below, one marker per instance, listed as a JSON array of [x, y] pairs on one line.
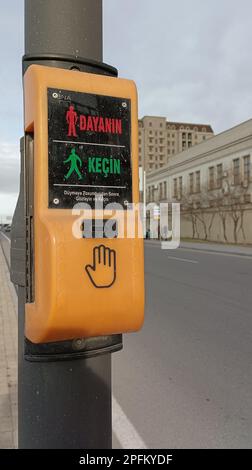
[[88, 266]]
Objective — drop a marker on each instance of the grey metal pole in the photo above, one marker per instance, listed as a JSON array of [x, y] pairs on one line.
[[64, 404], [67, 27]]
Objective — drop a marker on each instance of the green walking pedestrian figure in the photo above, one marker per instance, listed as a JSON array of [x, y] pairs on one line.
[[75, 160]]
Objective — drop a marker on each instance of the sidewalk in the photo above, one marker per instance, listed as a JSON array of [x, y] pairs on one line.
[[218, 248], [211, 247], [8, 358]]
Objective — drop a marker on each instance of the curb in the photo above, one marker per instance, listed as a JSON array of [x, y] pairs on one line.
[[204, 249]]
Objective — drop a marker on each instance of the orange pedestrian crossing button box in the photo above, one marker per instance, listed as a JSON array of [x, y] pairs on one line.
[[85, 271]]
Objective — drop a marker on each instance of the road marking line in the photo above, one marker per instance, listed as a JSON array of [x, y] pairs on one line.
[[5, 236], [124, 430], [185, 260]]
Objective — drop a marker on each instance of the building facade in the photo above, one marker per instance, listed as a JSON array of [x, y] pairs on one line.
[[160, 139], [212, 182]]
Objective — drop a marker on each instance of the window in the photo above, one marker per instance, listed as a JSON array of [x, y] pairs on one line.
[[180, 185], [191, 185], [161, 124], [150, 124], [189, 144], [173, 136], [219, 175], [246, 166], [197, 182], [160, 190], [165, 190], [236, 171], [169, 152], [175, 187], [204, 137], [211, 177], [150, 193]]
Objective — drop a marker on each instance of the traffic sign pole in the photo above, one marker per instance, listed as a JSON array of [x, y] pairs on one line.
[[61, 404]]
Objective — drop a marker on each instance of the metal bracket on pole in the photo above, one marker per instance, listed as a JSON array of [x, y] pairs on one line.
[[69, 62]]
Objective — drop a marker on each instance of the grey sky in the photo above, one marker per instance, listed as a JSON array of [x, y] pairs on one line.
[[191, 62]]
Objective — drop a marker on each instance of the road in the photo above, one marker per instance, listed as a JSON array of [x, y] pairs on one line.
[[185, 380], [5, 244]]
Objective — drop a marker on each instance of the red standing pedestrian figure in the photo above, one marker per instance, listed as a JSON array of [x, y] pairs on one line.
[[72, 118]]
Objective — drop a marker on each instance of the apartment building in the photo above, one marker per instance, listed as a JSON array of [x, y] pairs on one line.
[[213, 183], [160, 139]]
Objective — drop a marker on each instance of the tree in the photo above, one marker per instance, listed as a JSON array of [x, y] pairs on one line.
[[234, 197], [188, 211], [225, 201], [195, 207]]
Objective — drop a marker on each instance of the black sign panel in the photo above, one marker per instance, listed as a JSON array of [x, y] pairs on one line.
[[89, 149]]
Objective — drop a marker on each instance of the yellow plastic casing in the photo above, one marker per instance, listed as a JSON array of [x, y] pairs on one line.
[[66, 304]]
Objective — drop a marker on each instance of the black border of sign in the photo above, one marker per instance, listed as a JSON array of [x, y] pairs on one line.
[[63, 90]]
